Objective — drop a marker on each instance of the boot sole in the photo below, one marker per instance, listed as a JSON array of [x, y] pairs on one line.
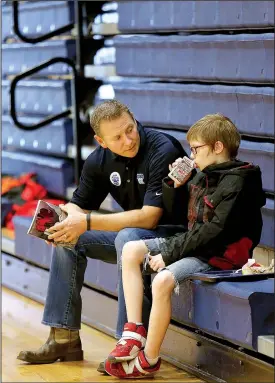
[[70, 357]]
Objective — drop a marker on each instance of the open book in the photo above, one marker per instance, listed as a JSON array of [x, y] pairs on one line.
[[46, 215]]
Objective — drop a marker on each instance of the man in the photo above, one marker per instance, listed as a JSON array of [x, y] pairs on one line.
[[129, 163]]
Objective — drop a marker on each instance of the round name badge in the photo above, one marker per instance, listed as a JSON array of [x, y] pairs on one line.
[[115, 179]]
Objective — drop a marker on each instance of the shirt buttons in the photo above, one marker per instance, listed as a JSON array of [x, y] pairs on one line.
[[128, 181], [127, 168]]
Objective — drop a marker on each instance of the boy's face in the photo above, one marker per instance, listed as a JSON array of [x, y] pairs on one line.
[[205, 155]]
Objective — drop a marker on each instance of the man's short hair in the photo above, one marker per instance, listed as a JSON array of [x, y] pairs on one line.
[[216, 127], [108, 111]]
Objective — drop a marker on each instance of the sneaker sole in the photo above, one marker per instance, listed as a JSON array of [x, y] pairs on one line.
[[119, 359], [101, 368]]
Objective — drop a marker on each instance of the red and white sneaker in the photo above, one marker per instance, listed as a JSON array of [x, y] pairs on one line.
[[132, 341], [135, 369]]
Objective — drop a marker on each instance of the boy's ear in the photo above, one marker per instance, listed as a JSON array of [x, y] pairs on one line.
[[100, 141], [219, 146]]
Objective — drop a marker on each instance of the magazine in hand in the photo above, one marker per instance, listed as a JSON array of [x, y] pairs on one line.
[[46, 216]]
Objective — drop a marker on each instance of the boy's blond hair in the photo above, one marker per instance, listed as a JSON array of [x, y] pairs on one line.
[[216, 127], [108, 111]]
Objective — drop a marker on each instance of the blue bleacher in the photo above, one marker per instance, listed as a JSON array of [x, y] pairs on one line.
[[54, 138], [235, 311], [38, 17], [154, 16], [261, 154], [19, 57], [267, 237], [98, 274], [244, 58], [178, 106], [183, 65], [38, 97], [40, 253], [53, 173], [102, 275]]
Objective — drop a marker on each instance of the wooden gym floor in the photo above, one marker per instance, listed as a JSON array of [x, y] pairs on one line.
[[22, 330]]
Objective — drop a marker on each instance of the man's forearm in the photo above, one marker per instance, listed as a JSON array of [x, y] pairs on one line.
[[119, 221], [72, 208]]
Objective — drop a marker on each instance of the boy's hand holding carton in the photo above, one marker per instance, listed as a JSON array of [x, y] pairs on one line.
[[180, 171]]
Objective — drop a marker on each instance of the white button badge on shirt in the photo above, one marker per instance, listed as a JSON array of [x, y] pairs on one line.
[[115, 179], [140, 178]]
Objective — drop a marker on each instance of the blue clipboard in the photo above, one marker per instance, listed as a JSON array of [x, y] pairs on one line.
[[229, 275]]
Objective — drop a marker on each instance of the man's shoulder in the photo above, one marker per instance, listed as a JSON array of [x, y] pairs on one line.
[[95, 159]]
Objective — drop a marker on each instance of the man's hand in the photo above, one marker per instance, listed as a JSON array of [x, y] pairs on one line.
[[70, 229], [156, 262]]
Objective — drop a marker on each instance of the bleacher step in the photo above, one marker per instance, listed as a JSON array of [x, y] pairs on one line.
[[99, 71], [85, 151], [266, 345]]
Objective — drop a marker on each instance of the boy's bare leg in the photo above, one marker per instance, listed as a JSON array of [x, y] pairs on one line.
[[132, 258], [160, 316]]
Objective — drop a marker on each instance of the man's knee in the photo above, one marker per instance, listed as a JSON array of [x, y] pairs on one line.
[[124, 236], [163, 283]]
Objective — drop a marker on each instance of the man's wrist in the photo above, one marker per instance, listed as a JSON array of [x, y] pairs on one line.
[[88, 221]]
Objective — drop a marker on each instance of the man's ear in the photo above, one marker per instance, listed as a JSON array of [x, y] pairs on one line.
[[219, 146], [100, 141]]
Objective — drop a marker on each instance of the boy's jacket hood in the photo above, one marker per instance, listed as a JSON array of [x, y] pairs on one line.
[[250, 173]]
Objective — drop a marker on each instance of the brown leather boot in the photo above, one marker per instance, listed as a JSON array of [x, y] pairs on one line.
[[62, 344]]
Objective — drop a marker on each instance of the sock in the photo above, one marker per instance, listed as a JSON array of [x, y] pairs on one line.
[[151, 361], [139, 324]]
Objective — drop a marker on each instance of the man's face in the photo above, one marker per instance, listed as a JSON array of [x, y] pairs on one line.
[[120, 136]]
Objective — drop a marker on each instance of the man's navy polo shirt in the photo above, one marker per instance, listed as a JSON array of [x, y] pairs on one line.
[[132, 182]]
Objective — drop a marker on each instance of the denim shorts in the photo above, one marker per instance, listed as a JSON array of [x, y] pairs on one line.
[[182, 269]]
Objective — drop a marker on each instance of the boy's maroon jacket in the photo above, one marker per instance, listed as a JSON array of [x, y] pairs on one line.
[[224, 215]]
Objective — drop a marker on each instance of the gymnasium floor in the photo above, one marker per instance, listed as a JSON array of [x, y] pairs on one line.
[[21, 330]]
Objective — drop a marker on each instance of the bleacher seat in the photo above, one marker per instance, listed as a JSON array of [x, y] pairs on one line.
[[262, 154], [53, 173], [98, 274], [51, 139], [178, 106], [267, 238], [236, 311], [19, 57], [38, 97], [154, 16], [29, 247], [102, 276], [228, 58], [38, 17]]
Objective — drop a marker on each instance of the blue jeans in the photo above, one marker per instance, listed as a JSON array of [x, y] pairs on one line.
[[63, 303]]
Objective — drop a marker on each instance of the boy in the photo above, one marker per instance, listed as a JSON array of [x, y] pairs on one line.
[[224, 226]]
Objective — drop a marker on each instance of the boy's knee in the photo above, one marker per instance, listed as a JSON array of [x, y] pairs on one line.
[[133, 252], [163, 283]]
